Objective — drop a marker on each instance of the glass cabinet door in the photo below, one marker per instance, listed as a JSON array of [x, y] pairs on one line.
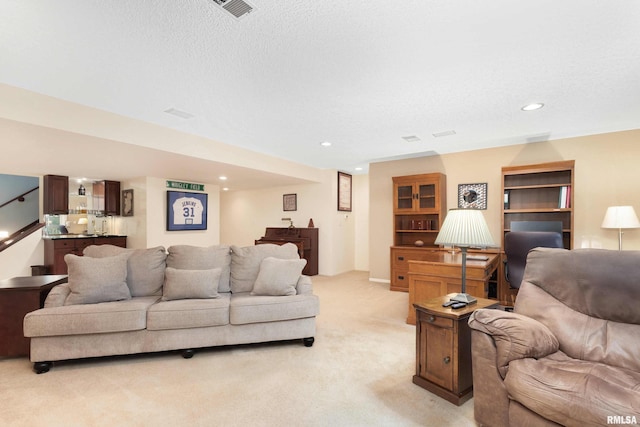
[[404, 197], [426, 196]]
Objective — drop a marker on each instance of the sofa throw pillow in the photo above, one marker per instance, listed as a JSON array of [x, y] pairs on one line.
[[145, 267], [185, 284], [187, 257], [246, 262], [278, 277], [94, 280]]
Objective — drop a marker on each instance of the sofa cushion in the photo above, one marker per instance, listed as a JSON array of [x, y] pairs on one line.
[[278, 276], [145, 267], [574, 392], [183, 284], [116, 316], [186, 257], [246, 308], [93, 280], [245, 262], [189, 313]]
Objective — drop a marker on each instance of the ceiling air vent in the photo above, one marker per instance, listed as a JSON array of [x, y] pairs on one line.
[[238, 8]]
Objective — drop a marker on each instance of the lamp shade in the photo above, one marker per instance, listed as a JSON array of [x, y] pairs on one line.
[[465, 228], [620, 217]]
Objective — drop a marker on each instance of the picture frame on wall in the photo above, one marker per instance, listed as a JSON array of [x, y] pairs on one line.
[[344, 192], [290, 202], [186, 211], [472, 196], [127, 202]]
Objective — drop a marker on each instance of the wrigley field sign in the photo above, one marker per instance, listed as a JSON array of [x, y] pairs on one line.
[[185, 186]]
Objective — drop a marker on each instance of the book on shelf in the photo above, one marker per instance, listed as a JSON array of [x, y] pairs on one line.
[[564, 201]]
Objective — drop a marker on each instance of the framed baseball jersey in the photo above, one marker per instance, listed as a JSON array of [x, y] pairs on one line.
[[186, 211]]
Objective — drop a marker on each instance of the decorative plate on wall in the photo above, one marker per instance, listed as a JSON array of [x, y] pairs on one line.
[[472, 196]]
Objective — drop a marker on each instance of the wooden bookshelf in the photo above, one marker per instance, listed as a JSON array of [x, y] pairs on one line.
[[538, 192]]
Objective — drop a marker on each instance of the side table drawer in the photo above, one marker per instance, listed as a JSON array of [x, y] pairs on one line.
[[440, 322]]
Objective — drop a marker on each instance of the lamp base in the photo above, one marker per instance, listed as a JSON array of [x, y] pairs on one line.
[[465, 298]]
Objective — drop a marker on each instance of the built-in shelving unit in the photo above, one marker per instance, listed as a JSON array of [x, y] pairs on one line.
[[539, 192]]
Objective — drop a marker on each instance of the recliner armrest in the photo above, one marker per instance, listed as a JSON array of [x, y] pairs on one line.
[[515, 336]]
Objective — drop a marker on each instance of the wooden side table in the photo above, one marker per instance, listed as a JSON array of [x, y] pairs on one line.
[[443, 348], [19, 296]]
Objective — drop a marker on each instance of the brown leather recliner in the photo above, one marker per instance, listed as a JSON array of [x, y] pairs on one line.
[[569, 353]]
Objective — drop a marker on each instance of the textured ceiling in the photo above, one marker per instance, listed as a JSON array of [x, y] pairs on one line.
[[359, 74]]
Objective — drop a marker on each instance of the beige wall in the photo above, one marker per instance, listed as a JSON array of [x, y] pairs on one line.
[[246, 214], [361, 217], [607, 173]]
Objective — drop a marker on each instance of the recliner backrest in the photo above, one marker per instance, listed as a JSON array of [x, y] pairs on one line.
[[517, 245], [588, 298]]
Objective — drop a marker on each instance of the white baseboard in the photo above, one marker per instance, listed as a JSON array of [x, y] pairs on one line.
[[373, 279]]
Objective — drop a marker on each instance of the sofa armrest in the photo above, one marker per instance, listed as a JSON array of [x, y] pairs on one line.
[[515, 336], [304, 286], [57, 296]]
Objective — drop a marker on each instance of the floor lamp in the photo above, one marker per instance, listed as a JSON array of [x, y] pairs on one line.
[[620, 217], [464, 228]]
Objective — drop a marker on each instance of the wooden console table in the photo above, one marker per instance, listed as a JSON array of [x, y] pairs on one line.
[[19, 296], [440, 273], [443, 348]]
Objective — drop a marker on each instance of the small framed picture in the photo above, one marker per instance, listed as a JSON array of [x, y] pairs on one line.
[[186, 211], [290, 202], [127, 202], [344, 192], [472, 196]]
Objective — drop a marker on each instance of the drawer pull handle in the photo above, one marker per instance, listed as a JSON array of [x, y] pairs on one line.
[[400, 258], [400, 277], [432, 319], [446, 360]]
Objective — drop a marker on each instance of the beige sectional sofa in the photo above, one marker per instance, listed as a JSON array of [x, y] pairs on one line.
[[123, 301]]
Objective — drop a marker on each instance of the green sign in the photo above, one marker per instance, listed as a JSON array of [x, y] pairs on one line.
[[185, 186]]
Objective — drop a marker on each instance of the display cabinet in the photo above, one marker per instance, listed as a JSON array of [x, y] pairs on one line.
[[419, 208]]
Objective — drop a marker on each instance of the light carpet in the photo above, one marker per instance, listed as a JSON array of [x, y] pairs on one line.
[[358, 373]]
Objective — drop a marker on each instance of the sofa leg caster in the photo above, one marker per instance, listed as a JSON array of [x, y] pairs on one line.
[[308, 342], [188, 354], [41, 367]]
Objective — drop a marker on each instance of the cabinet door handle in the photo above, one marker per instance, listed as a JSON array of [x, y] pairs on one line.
[[400, 258], [432, 319], [400, 277], [446, 360]]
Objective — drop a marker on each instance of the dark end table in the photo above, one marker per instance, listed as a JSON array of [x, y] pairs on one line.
[[19, 296]]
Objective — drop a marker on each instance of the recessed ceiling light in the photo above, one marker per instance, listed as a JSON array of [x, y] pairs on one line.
[[222, 178], [225, 188], [445, 133], [411, 138], [179, 113], [326, 144], [534, 106], [358, 168]]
